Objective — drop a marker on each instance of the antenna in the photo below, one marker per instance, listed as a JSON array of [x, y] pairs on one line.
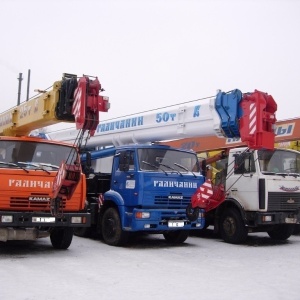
[[28, 85], [19, 88]]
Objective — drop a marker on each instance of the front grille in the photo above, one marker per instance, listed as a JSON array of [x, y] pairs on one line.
[[179, 215], [169, 202], [16, 202], [283, 201]]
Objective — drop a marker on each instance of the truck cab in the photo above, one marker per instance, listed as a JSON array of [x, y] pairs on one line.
[[263, 188], [149, 188]]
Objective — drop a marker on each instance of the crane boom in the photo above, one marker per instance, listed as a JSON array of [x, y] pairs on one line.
[[250, 117], [68, 101], [43, 187], [287, 135]]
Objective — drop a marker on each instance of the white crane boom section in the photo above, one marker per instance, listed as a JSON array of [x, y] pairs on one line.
[[248, 116], [186, 121]]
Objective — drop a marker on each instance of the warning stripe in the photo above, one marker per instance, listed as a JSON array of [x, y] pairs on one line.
[[252, 119]]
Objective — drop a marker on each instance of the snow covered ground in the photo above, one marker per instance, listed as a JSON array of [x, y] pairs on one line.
[[204, 267]]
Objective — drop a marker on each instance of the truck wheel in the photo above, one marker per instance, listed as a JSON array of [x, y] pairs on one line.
[[112, 232], [297, 229], [232, 227], [176, 237], [61, 238], [281, 232], [82, 231]]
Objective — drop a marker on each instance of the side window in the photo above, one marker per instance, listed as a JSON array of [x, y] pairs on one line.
[[126, 160], [131, 160], [244, 163]]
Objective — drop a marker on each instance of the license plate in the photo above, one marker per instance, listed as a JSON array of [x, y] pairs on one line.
[[43, 219], [291, 220], [175, 224]]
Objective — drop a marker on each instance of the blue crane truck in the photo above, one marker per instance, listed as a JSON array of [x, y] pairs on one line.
[[141, 188]]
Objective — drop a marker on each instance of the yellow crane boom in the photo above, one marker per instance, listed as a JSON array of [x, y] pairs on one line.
[[52, 107]]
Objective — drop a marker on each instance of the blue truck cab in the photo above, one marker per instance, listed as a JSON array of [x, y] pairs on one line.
[[142, 188]]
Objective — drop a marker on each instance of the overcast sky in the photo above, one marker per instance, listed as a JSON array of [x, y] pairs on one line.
[[153, 53]]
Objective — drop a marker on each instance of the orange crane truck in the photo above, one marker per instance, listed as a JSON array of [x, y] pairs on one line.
[[43, 189]]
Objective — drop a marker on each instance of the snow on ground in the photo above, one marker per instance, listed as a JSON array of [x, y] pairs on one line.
[[204, 267]]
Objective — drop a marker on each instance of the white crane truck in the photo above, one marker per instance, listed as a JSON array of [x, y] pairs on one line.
[[148, 187]]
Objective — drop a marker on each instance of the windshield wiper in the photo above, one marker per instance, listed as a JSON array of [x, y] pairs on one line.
[[154, 166], [171, 168], [268, 173], [37, 166], [184, 168], [49, 165], [288, 174], [283, 174], [13, 165]]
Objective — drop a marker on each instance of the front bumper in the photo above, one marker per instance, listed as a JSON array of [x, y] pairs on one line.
[[36, 219], [273, 218], [163, 220]]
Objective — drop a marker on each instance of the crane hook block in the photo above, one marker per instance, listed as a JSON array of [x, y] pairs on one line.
[[257, 123], [88, 103]]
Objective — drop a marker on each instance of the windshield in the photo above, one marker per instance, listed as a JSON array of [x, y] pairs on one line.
[[167, 160], [34, 153], [279, 161]]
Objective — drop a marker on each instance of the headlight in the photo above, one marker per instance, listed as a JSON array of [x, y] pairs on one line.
[[142, 215], [7, 219], [77, 220]]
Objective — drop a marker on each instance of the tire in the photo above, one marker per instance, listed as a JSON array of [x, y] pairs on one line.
[[281, 232], [111, 228], [205, 226], [232, 227], [297, 229], [176, 237], [82, 231], [61, 238]]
